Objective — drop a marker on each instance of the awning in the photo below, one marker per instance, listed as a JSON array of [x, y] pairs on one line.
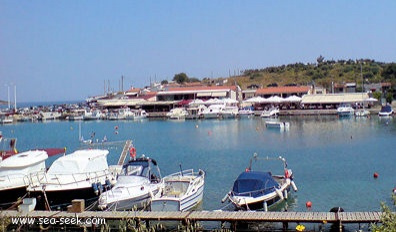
[[219, 94], [204, 94], [333, 98]]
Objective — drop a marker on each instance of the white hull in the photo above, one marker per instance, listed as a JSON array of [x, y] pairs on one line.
[[181, 192], [278, 125], [130, 193]]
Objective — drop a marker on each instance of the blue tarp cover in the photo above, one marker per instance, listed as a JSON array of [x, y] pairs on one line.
[[258, 183]]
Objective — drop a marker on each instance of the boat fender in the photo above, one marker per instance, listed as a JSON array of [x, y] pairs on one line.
[[132, 152], [95, 188], [100, 187], [285, 194], [225, 197], [287, 173], [294, 186], [265, 206], [280, 194], [108, 183]]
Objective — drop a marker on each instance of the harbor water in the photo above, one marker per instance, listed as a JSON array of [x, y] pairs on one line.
[[333, 160]]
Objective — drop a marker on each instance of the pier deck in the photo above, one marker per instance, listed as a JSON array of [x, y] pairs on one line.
[[124, 152], [221, 216]]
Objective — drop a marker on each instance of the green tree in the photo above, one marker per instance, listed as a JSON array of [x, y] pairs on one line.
[[377, 95], [164, 82], [389, 97], [180, 78], [389, 71], [388, 221]]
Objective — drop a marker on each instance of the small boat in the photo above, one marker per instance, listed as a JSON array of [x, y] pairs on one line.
[[177, 113], [138, 182], [212, 111], [362, 113], [6, 119], [46, 116], [386, 111], [139, 114], [254, 190], [182, 191], [93, 114], [82, 174], [270, 113], [16, 172], [345, 110], [246, 112], [121, 114], [277, 125]]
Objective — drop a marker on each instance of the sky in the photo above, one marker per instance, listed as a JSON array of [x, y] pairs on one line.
[[69, 50]]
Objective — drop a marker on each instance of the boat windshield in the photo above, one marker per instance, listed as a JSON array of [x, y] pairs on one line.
[[138, 167]]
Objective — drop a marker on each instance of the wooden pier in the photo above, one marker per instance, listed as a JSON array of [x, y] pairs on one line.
[[124, 152], [233, 217]]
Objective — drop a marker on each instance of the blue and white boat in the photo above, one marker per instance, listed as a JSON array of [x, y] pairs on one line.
[[139, 181], [345, 110], [385, 111], [256, 190], [182, 191]]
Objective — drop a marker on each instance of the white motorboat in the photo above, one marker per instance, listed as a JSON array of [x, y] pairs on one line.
[[254, 190], [212, 111], [6, 119], [270, 113], [121, 114], [82, 174], [345, 110], [182, 191], [385, 111], [229, 111], [46, 116], [177, 113], [246, 113], [138, 115], [137, 183], [362, 113], [16, 172], [93, 114], [277, 125]]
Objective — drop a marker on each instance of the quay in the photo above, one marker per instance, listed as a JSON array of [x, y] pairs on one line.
[[233, 217]]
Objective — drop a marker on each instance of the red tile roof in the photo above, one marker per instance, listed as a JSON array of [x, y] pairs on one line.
[[202, 88], [283, 89]]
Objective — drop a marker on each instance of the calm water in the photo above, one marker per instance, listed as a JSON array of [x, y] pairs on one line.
[[333, 160]]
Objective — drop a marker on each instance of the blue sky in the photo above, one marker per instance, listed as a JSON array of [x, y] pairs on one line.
[[67, 50]]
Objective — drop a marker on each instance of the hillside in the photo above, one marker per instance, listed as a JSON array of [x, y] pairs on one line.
[[322, 73]]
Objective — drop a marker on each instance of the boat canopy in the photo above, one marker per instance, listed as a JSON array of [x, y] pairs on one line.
[[24, 159], [254, 183], [386, 108], [81, 161]]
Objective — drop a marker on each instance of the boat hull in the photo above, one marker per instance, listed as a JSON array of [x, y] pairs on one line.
[[134, 203], [9, 197], [259, 202], [178, 204], [60, 199]]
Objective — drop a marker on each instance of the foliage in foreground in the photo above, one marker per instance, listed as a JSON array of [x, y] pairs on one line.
[[388, 220]]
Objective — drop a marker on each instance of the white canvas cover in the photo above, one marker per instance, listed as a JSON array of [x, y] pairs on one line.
[[80, 161], [24, 159]]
